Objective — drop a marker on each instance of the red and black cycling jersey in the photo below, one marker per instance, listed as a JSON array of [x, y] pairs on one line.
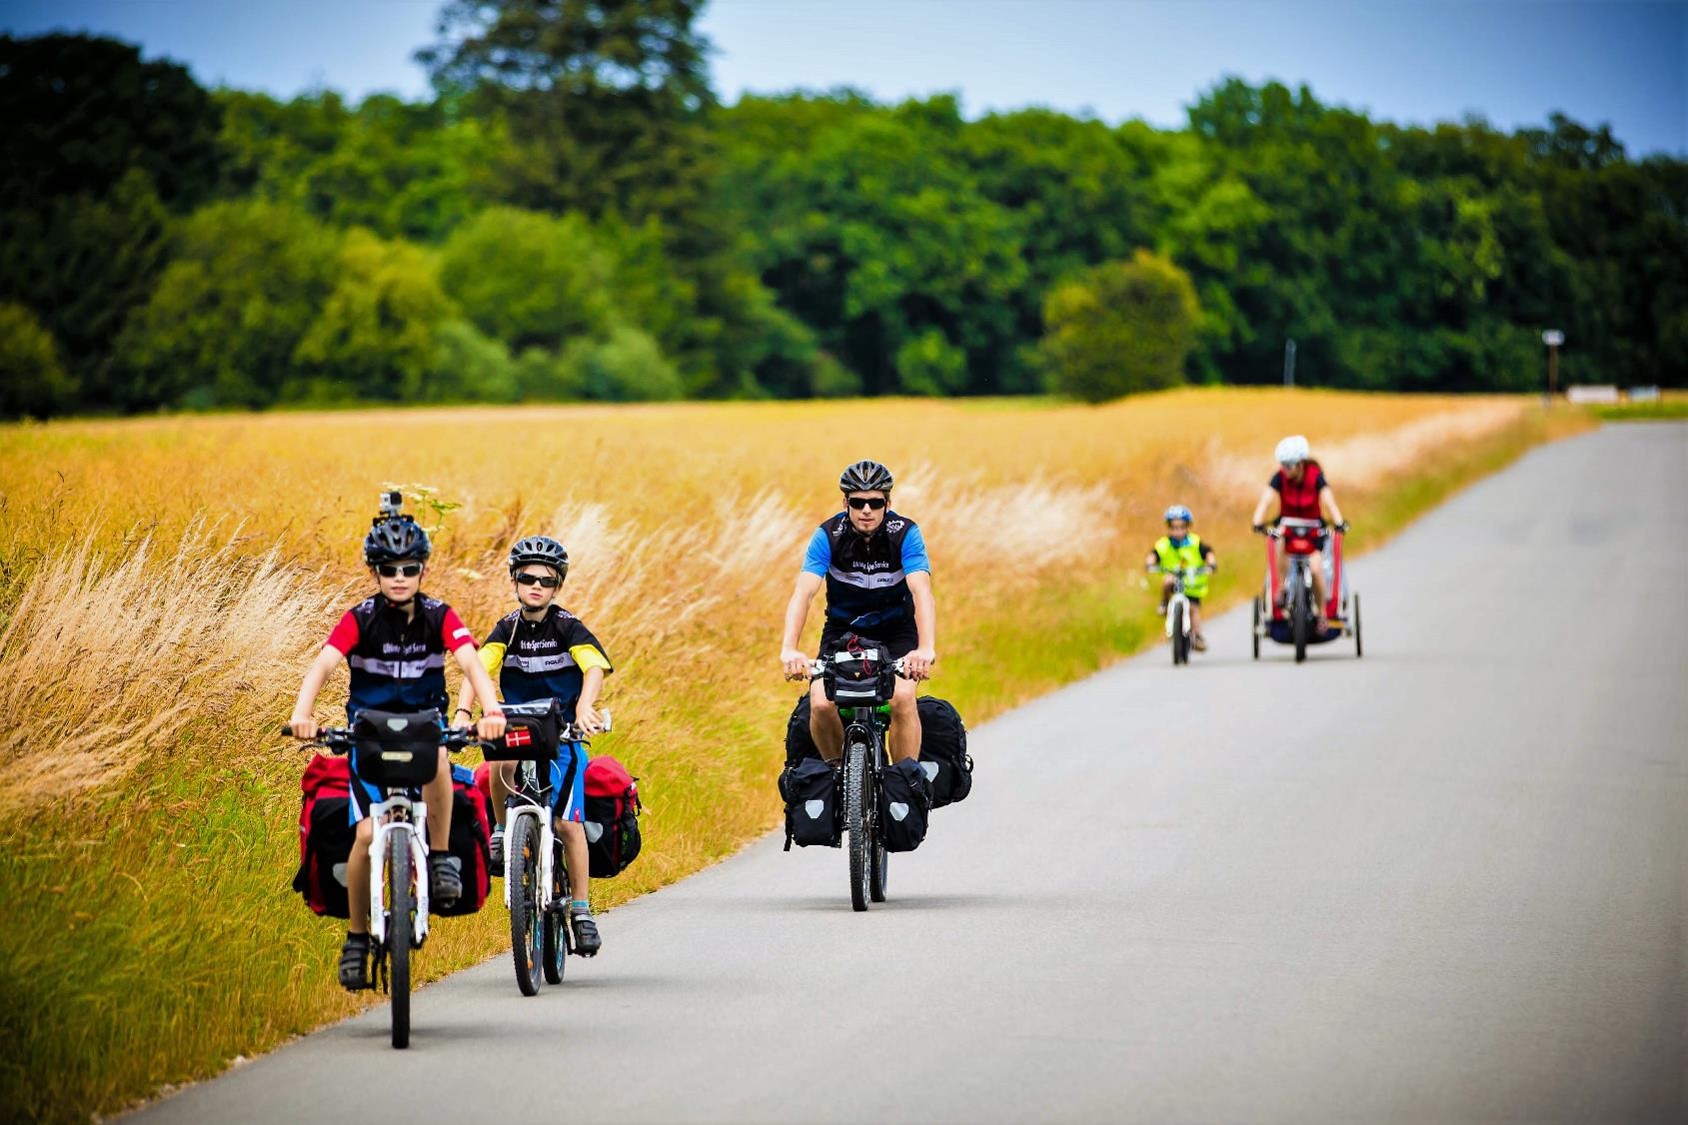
[[1299, 499], [398, 662]]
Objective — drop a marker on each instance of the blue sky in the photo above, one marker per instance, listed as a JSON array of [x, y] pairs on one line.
[[1512, 61]]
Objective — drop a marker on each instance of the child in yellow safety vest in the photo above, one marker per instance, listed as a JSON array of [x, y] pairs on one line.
[[1178, 550]]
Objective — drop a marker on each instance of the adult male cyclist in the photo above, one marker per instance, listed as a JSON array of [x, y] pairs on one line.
[[1180, 549], [542, 651], [395, 643], [1303, 492], [872, 561]]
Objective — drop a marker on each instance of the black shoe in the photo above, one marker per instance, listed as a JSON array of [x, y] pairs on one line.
[[497, 844], [586, 939], [354, 963], [444, 885]]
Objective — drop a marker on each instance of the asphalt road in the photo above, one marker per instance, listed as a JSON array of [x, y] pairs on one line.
[[1445, 882]]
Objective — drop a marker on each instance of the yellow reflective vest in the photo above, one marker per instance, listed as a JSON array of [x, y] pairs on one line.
[[1178, 558]]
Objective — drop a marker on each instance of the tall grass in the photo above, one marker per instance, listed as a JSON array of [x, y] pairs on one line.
[[163, 582]]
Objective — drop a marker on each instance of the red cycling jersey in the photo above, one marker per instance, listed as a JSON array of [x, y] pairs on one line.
[[1299, 499]]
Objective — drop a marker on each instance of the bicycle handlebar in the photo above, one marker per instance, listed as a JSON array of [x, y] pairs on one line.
[[1205, 568], [817, 668], [340, 738]]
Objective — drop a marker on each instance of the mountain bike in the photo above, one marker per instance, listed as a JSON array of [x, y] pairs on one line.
[[1178, 627], [398, 852], [536, 880], [861, 683]]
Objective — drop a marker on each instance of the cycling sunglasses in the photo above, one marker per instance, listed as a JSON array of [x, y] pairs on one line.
[[549, 581], [860, 502], [393, 570]]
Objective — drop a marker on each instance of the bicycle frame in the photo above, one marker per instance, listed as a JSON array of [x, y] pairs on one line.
[[415, 828]]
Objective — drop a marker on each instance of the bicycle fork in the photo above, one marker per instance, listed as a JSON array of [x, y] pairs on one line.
[[413, 831]]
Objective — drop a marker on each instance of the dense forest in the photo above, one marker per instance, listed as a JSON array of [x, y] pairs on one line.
[[575, 215]]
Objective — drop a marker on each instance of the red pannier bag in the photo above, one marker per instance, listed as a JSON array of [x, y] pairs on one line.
[[470, 843], [325, 836], [611, 817]]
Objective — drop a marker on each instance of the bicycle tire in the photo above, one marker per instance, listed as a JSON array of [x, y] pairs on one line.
[[524, 904], [1256, 630], [879, 858], [856, 780], [1359, 651], [1180, 643], [556, 936], [1299, 624], [400, 927]]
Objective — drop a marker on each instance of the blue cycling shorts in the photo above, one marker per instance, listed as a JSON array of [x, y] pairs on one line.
[[568, 783]]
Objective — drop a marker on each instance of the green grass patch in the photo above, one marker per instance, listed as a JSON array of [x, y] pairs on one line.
[[1671, 409]]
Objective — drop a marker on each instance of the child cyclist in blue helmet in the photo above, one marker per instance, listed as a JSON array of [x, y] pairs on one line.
[[1178, 549], [396, 642], [542, 651]]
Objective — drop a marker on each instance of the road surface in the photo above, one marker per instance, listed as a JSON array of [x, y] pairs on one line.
[[1445, 882]]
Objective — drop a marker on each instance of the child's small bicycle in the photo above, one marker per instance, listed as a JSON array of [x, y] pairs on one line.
[[399, 762]]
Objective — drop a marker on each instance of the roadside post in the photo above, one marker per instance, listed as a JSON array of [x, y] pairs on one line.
[[1552, 338]]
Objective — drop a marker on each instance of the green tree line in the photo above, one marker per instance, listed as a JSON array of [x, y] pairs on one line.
[[574, 215]]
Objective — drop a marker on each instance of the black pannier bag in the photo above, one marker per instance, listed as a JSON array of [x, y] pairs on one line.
[[532, 733], [397, 750], [943, 751], [905, 798], [810, 789], [799, 743]]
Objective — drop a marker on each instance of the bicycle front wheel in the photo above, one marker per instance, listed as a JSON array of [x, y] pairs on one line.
[[525, 903], [401, 927], [856, 782], [1300, 625], [1180, 642]]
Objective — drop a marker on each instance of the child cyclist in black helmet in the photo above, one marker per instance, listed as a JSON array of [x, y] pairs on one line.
[[395, 642], [542, 651]]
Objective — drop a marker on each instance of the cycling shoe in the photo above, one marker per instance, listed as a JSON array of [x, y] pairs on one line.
[[444, 885], [586, 939], [497, 842], [354, 963]]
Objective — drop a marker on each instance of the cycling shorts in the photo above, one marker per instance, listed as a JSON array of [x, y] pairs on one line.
[[568, 783], [898, 638]]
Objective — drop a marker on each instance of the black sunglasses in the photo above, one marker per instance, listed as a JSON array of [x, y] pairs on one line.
[[393, 570], [860, 502], [549, 581]]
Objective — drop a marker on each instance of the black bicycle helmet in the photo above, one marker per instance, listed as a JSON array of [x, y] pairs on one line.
[[392, 538], [540, 549], [865, 476]]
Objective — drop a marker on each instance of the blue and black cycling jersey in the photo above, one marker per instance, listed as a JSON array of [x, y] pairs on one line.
[[867, 576]]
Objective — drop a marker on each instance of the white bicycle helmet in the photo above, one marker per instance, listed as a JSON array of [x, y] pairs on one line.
[[1292, 450]]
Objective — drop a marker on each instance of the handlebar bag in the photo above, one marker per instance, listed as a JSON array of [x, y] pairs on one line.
[[905, 798], [531, 733], [859, 673], [325, 837], [611, 817], [469, 844], [397, 750], [810, 789], [943, 751]]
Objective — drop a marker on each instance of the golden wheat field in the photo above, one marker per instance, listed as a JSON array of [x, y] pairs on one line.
[[164, 582]]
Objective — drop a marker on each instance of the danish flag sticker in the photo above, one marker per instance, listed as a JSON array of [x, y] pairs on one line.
[[518, 736]]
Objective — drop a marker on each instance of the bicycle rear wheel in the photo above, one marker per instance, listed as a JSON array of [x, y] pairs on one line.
[[557, 936], [856, 781], [401, 925], [524, 903]]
